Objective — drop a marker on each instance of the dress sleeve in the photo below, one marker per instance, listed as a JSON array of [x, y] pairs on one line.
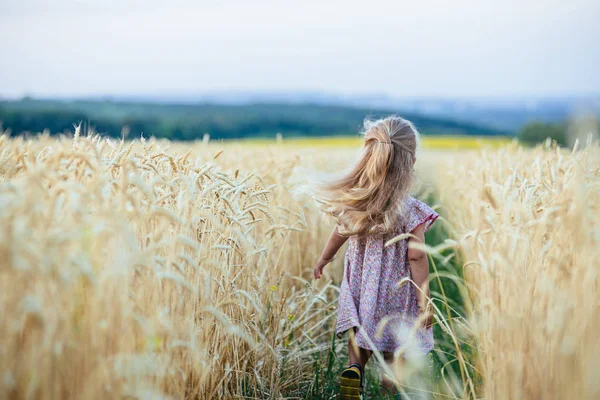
[[418, 213]]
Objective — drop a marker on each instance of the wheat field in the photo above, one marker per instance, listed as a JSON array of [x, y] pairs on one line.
[[156, 270]]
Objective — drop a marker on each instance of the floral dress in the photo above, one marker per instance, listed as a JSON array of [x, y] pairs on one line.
[[371, 299]]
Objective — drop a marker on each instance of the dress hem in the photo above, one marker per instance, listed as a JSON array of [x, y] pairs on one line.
[[342, 328], [345, 327]]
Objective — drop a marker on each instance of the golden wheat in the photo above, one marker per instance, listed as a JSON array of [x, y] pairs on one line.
[[529, 223], [173, 270], [128, 270]]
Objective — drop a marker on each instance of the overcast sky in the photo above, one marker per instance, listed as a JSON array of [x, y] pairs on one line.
[[402, 48]]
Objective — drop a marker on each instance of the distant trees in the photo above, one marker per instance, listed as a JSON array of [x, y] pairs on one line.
[[537, 132], [192, 121]]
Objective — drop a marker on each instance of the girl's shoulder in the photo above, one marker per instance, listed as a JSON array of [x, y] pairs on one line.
[[417, 213]]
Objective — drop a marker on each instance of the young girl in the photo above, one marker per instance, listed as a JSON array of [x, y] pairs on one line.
[[371, 206]]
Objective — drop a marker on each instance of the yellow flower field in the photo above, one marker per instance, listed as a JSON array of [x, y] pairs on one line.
[[457, 142]]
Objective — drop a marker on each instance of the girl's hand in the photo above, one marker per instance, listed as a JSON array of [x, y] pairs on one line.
[[428, 322], [318, 272]]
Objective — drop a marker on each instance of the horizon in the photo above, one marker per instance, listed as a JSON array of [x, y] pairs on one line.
[[252, 95]]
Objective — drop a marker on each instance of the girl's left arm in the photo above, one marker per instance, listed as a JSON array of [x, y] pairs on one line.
[[333, 245], [419, 270]]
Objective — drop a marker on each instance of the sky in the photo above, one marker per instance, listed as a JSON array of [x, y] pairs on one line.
[[424, 48]]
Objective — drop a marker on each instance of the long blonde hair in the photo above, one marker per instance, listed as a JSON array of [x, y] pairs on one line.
[[369, 199]]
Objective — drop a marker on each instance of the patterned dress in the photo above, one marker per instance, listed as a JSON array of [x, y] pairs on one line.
[[371, 300]]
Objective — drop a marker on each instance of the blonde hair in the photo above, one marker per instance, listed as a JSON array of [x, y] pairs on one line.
[[369, 199]]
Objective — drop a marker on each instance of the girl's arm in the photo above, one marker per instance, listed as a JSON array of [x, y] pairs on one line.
[[333, 245], [419, 269]]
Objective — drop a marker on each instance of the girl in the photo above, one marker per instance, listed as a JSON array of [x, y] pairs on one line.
[[371, 205]]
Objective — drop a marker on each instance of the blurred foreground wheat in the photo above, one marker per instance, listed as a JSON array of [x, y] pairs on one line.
[[530, 227]]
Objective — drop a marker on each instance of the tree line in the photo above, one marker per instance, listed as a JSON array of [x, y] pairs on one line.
[[192, 121], [536, 132]]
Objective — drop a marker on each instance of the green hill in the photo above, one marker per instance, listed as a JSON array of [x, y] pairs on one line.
[[192, 121]]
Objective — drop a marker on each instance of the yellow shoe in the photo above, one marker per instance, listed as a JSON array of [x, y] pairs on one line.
[[351, 382]]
